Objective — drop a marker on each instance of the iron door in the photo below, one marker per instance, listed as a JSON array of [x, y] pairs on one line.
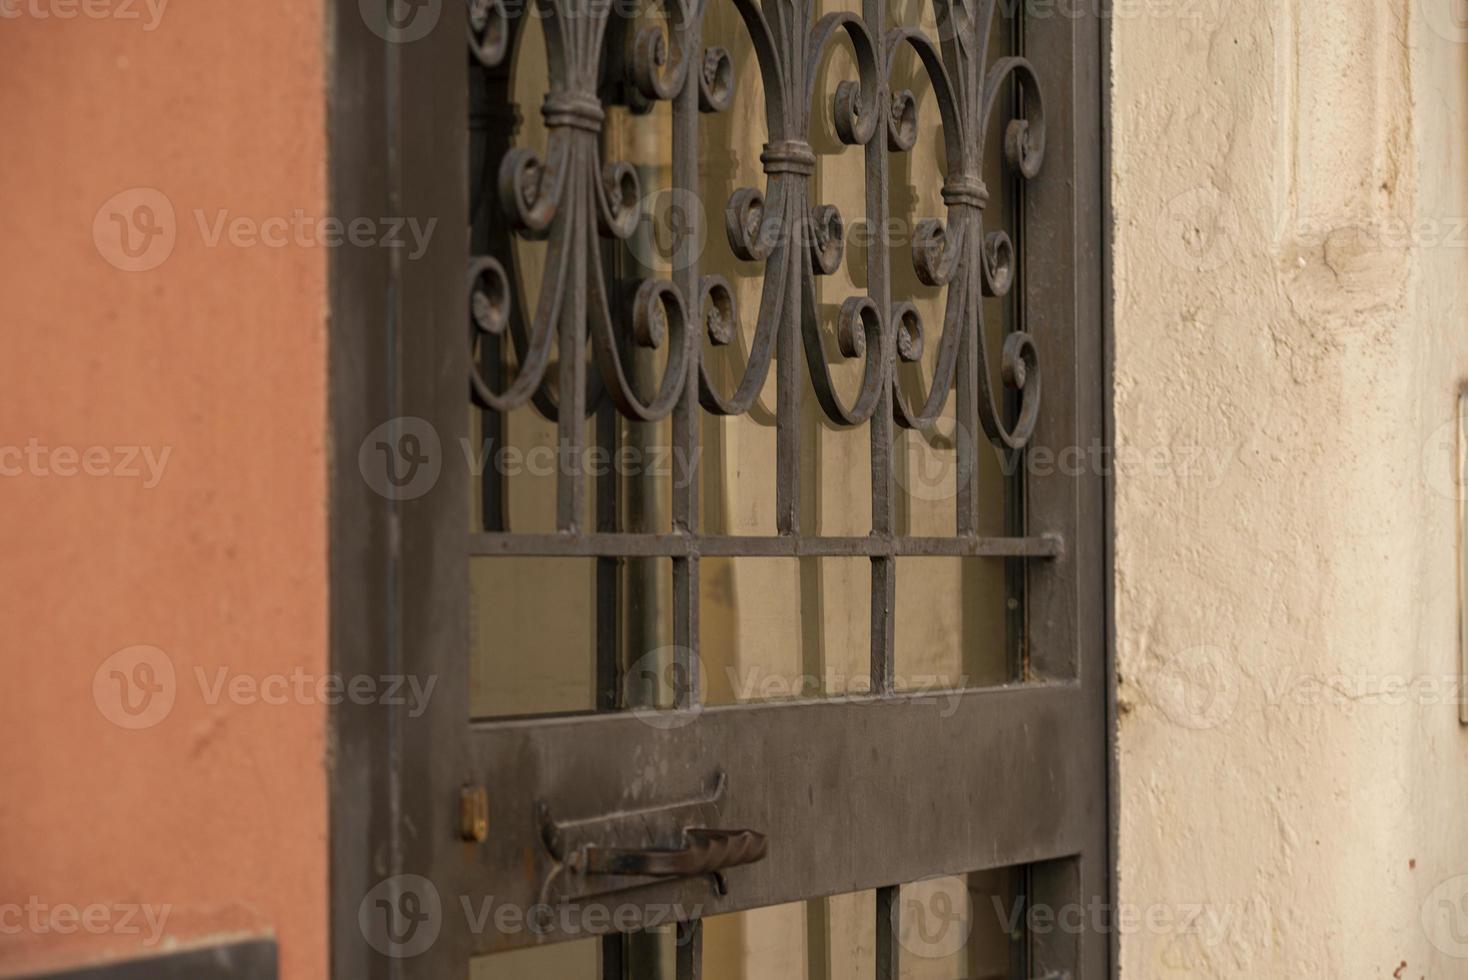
[[649, 806]]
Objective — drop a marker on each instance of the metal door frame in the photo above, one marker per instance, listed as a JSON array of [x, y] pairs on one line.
[[398, 146]]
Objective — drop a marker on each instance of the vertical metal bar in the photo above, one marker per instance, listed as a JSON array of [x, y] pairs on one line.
[[571, 414], [430, 592], [1015, 484], [493, 491], [787, 396], [685, 630], [1056, 885], [967, 431], [1018, 891], [645, 956], [884, 624], [884, 567], [1062, 262], [614, 957], [686, 438], [617, 579], [690, 950], [888, 910], [642, 608], [493, 124], [686, 416], [608, 599], [812, 625], [362, 598]]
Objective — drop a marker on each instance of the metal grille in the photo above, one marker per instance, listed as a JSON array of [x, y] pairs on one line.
[[566, 194]]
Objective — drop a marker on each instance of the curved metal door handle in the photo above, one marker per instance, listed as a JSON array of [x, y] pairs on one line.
[[707, 852]]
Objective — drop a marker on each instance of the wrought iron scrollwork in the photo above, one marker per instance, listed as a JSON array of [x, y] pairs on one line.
[[567, 196], [958, 254]]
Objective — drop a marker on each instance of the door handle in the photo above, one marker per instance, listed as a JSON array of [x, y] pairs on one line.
[[706, 851]]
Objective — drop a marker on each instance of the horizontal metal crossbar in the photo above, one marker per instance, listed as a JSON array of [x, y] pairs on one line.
[[753, 546], [831, 784]]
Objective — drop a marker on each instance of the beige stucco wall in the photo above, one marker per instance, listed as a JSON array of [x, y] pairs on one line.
[[1290, 277]]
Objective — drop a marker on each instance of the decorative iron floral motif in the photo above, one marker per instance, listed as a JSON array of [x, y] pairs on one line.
[[961, 256], [570, 198]]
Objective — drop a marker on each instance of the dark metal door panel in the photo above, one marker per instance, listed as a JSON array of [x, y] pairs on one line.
[[834, 796]]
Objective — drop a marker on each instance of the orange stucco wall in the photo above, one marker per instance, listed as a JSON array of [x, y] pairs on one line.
[[210, 812]]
